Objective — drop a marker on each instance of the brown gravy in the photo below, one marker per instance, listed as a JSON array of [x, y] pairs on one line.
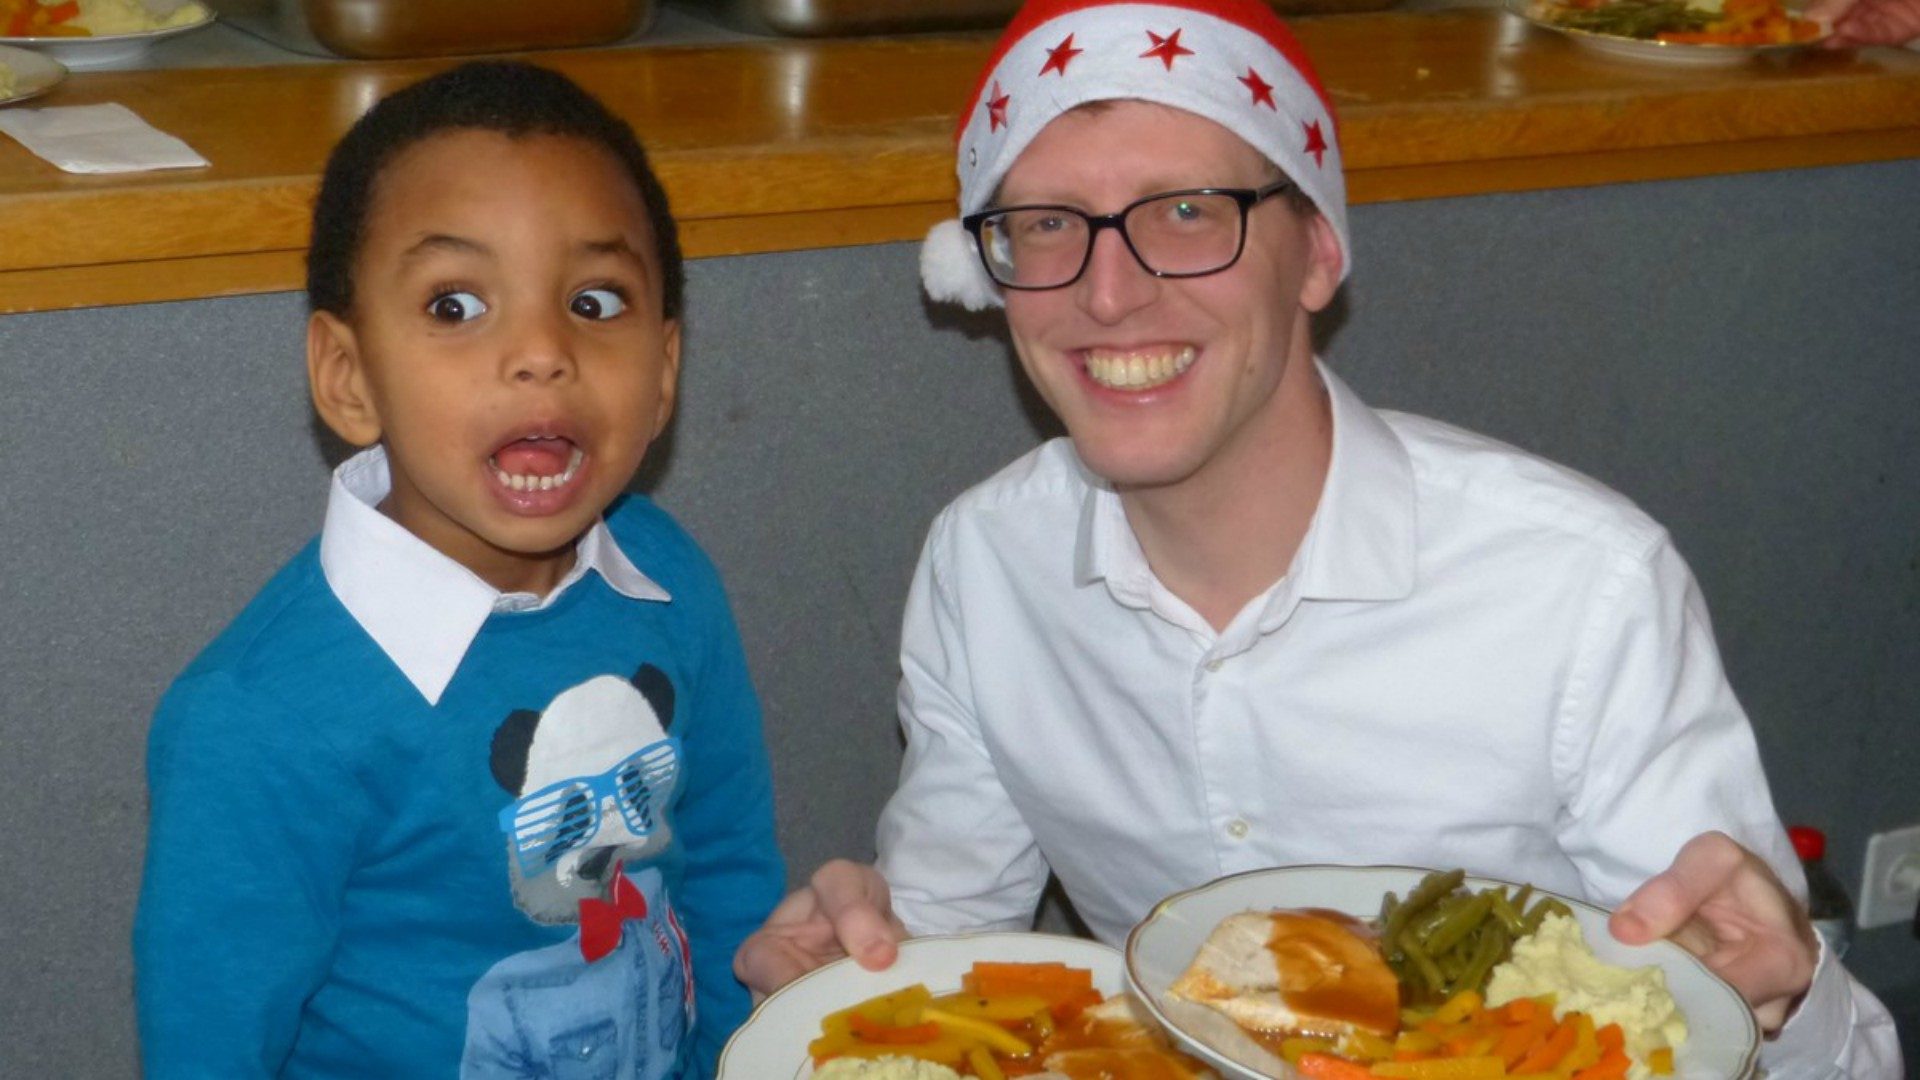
[[1086, 1048], [1331, 969]]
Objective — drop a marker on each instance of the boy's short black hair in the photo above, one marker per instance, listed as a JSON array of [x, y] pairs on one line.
[[507, 97]]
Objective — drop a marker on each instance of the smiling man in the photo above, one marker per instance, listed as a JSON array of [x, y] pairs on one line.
[[1239, 619]]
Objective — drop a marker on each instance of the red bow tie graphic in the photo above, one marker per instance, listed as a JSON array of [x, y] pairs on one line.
[[601, 921]]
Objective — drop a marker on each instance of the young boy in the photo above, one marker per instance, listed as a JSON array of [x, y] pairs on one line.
[[476, 782]]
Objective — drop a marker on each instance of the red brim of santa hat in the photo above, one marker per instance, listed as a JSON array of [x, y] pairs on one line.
[[1231, 61]]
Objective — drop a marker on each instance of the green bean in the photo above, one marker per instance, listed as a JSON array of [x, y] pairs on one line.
[[1503, 910], [1423, 964], [1546, 907], [1431, 888], [1492, 947], [1444, 938], [1465, 918]]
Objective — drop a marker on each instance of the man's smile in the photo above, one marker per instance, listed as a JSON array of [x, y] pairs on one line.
[[1138, 369]]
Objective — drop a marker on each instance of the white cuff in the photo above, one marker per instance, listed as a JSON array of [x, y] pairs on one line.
[[1839, 1029]]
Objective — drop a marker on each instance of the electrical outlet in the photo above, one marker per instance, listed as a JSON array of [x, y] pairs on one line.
[[1890, 888]]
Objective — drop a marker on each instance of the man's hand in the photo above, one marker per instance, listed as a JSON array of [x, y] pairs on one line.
[[845, 909], [1868, 22], [1720, 902]]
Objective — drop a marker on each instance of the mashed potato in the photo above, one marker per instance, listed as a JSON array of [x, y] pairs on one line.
[[886, 1068], [103, 17], [1556, 960]]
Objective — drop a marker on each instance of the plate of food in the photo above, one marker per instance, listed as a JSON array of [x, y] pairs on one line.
[[986, 1006], [1685, 32], [25, 74], [1357, 966], [96, 33]]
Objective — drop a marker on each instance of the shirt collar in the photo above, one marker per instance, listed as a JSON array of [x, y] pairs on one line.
[[422, 608], [1360, 545]]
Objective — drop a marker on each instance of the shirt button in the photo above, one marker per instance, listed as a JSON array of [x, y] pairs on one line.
[[1237, 829], [1214, 664]]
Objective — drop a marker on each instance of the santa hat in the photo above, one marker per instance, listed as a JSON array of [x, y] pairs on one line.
[[1231, 61]]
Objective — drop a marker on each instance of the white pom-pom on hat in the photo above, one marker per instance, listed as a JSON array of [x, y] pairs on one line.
[[951, 271]]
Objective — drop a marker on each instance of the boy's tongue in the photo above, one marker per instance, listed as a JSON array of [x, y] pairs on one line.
[[534, 457]]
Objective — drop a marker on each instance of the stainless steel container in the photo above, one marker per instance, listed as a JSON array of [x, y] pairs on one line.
[[387, 29], [825, 18]]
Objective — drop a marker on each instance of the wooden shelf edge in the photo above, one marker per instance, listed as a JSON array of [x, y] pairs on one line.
[[159, 280]]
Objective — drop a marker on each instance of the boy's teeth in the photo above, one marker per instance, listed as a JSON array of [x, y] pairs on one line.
[[1138, 371], [529, 482]]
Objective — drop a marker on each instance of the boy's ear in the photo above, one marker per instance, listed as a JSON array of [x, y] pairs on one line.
[[338, 382], [669, 375]]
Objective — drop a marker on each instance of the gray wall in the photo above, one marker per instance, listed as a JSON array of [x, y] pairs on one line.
[[1742, 355]]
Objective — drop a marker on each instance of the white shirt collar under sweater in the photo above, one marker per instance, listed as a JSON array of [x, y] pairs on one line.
[[1361, 545], [422, 608]]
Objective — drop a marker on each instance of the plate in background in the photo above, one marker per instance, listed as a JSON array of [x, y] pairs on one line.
[[33, 74], [1659, 52], [107, 49]]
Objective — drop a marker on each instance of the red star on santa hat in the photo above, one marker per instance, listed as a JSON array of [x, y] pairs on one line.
[[1316, 143], [1262, 92], [996, 108], [1166, 49], [1060, 56]]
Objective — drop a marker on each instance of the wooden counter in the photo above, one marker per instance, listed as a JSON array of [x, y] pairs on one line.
[[785, 145]]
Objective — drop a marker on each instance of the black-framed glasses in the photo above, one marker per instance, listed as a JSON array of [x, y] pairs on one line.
[[1175, 234]]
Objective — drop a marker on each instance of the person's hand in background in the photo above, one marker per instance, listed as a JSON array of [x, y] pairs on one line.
[[1868, 22]]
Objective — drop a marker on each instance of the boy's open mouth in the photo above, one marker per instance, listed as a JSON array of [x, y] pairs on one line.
[[536, 463], [1142, 369]]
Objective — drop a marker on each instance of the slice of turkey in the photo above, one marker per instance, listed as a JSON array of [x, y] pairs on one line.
[[1305, 972]]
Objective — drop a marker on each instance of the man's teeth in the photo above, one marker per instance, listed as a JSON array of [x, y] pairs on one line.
[[1137, 371], [528, 482]]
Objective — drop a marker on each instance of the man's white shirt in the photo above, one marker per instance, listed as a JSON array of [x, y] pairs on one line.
[[1478, 659]]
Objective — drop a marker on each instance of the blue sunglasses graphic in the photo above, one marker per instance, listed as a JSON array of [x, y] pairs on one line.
[[547, 823]]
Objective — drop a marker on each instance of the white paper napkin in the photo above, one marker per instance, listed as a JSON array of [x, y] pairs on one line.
[[98, 139]]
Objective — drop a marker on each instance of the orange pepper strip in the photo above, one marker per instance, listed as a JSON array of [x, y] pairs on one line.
[[875, 1031], [1548, 1054], [1613, 1065], [1611, 1038], [1328, 1067], [1065, 990], [1517, 1039], [1520, 1010]]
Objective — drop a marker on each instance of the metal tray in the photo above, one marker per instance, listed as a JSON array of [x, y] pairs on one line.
[[831, 18], [389, 29]]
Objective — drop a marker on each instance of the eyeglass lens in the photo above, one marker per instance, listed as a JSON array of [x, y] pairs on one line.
[[1044, 247]]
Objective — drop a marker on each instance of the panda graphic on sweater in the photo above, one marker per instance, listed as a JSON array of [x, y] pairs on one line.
[[591, 777]]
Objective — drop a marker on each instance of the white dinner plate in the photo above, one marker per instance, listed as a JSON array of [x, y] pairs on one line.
[[33, 74], [772, 1044], [105, 49], [1670, 53], [1723, 1040]]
